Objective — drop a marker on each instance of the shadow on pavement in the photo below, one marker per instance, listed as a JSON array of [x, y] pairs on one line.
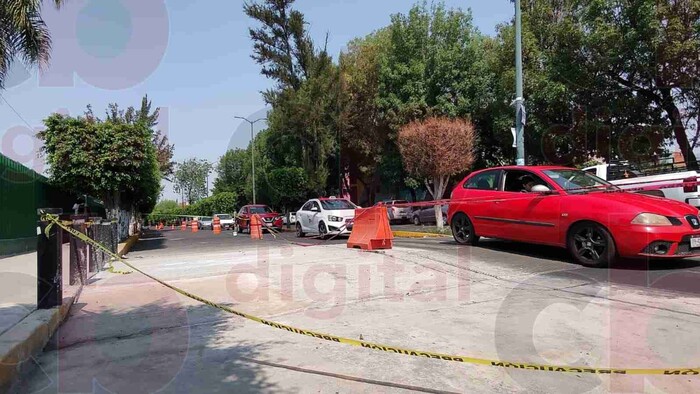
[[559, 254], [147, 348], [150, 240]]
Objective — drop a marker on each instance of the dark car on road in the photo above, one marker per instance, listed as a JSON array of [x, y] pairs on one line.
[[426, 215]]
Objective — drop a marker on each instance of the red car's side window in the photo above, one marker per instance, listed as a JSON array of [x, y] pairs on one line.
[[487, 180], [518, 181]]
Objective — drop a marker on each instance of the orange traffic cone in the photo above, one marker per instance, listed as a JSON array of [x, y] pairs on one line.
[[371, 229], [255, 227], [183, 225], [195, 225], [216, 226]]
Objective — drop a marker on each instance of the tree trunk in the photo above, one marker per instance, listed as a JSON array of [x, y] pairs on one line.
[[679, 132], [111, 201], [414, 196], [439, 186]]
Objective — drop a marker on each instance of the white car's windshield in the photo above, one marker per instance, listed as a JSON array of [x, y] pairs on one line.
[[337, 204], [577, 181], [224, 217], [206, 218]]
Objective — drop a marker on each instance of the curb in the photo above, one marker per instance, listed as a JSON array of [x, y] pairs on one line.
[[128, 244], [24, 340], [414, 234]]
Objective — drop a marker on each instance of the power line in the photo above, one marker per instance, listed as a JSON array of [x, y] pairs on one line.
[[15, 111]]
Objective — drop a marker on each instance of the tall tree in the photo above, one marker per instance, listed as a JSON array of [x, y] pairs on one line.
[[233, 174], [113, 161], [290, 187], [364, 133], [23, 35], [191, 178], [621, 70], [143, 115], [435, 66], [436, 149], [281, 45], [303, 122]]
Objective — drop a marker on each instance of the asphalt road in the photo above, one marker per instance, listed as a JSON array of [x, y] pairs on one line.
[[673, 276], [500, 300]]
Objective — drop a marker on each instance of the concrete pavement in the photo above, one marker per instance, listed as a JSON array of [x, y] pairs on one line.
[[499, 300], [18, 286]]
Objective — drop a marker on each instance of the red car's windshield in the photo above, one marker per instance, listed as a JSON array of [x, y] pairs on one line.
[[260, 210], [577, 181]]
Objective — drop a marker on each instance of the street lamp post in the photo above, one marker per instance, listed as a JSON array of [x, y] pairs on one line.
[[252, 147], [519, 100]]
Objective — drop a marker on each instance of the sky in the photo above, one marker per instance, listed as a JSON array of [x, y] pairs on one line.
[[191, 58]]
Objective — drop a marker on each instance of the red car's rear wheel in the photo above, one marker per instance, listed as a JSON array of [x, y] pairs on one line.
[[591, 245]]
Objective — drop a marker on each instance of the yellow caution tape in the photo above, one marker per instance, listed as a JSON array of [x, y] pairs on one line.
[[387, 348]]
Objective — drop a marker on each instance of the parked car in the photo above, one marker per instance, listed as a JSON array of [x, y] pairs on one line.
[[226, 220], [206, 222], [270, 218], [397, 213], [290, 218], [426, 215], [627, 176], [569, 208], [325, 216]]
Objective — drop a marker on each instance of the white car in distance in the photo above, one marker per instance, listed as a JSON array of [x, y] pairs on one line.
[[226, 220], [325, 216]]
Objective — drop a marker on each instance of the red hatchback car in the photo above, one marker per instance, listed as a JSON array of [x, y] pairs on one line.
[[572, 209], [270, 218]]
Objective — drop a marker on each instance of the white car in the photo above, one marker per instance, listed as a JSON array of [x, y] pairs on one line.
[[403, 214], [625, 176], [325, 216], [226, 220]]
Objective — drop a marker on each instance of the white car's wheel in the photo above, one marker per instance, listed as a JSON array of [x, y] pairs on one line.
[[322, 230]]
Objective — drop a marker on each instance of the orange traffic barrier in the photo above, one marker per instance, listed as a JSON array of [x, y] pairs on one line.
[[183, 226], [195, 225], [216, 225], [255, 227], [371, 229], [172, 226]]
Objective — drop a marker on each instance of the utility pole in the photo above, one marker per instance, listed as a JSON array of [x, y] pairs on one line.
[[252, 147], [519, 100]]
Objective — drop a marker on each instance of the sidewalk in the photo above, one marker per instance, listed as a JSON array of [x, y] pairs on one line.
[[18, 286]]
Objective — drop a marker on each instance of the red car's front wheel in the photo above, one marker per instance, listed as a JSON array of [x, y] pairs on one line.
[[591, 245], [463, 230]]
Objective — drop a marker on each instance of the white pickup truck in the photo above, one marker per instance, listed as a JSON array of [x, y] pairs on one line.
[[625, 176]]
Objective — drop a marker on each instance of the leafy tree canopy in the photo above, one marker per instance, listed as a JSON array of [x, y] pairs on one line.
[[191, 179], [115, 161]]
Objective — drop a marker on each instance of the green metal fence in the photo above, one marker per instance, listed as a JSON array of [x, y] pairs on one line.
[[22, 191]]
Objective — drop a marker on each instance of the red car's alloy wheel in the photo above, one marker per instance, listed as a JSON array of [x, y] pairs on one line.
[[591, 245], [463, 230]]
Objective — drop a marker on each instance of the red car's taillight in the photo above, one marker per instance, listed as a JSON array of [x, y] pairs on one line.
[[691, 185]]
